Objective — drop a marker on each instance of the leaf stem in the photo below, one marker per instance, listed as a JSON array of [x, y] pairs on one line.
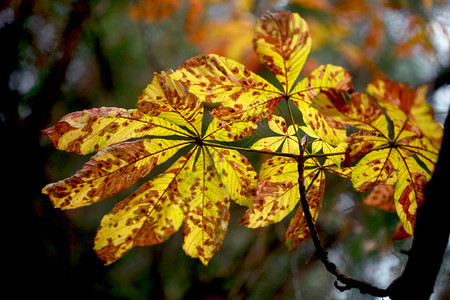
[[308, 156], [250, 150], [292, 121]]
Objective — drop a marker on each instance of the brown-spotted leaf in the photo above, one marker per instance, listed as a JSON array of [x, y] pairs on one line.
[[412, 101], [325, 77], [382, 197], [149, 216], [226, 131], [244, 95], [282, 43], [110, 171], [170, 100], [375, 168], [357, 109], [206, 209], [236, 174], [408, 196], [91, 130], [360, 143], [277, 192], [286, 137]]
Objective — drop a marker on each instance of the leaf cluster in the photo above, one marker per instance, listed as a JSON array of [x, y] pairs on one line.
[[384, 139]]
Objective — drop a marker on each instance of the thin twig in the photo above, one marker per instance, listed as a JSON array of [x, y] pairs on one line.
[[321, 253]]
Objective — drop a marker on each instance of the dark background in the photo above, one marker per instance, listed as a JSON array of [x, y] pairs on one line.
[[63, 56]]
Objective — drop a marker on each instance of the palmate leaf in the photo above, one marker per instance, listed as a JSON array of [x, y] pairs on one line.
[[110, 171], [412, 102], [286, 137], [278, 194], [91, 130], [282, 43], [389, 150], [194, 192]]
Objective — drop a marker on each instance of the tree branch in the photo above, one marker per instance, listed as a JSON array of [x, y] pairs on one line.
[[430, 234], [321, 253]]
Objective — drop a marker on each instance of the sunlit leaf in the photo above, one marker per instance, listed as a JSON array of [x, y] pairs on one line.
[[196, 190], [282, 43], [413, 102], [286, 137], [228, 131], [149, 216], [169, 100], [206, 209], [277, 192], [91, 130], [244, 95], [110, 171], [388, 143]]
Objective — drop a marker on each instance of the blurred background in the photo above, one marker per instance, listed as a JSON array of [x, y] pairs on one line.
[[63, 56]]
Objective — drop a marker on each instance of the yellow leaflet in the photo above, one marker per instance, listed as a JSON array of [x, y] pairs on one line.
[[171, 101], [287, 137], [277, 192], [234, 170], [408, 195], [149, 216], [213, 78], [111, 170], [271, 143], [91, 130], [206, 209], [323, 127], [291, 142], [373, 169], [225, 131], [278, 125], [412, 101], [282, 43], [422, 148], [325, 77], [236, 174], [361, 111]]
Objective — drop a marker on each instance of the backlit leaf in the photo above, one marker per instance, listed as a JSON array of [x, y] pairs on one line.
[[282, 43], [167, 99], [389, 143], [287, 137], [408, 196], [149, 216], [110, 171], [228, 131], [195, 191], [91, 130], [244, 95], [277, 192], [206, 209], [413, 102]]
